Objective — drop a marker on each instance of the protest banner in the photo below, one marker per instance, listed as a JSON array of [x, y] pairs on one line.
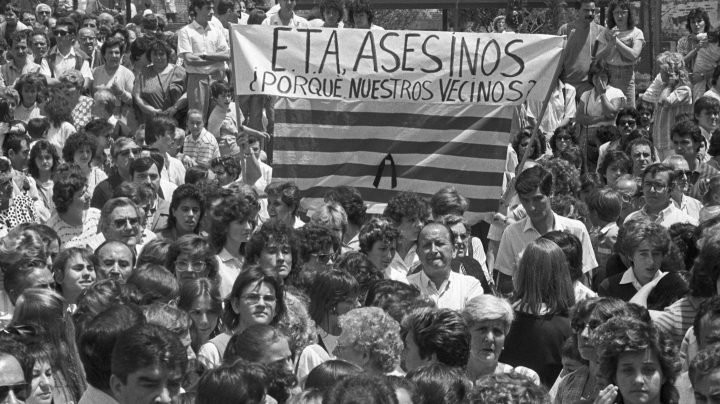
[[387, 111]]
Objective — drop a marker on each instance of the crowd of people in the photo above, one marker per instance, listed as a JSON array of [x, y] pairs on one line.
[[147, 255]]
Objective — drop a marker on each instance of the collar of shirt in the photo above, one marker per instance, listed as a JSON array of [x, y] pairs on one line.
[[661, 215], [69, 54], [556, 224], [430, 285], [199, 27], [629, 277], [225, 256]]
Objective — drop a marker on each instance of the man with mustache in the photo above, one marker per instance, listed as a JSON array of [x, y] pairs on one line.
[[583, 35], [437, 280]]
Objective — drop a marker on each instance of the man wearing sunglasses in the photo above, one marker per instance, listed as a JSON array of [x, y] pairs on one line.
[[16, 368], [678, 193], [688, 141], [122, 220], [123, 152], [64, 56]]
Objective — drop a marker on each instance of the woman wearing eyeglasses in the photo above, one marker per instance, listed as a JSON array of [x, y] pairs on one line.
[[191, 257], [257, 297]]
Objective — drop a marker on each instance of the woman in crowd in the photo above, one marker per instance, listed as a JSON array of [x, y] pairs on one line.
[[543, 297], [625, 43], [283, 203], [257, 297], [29, 87], [408, 212], [333, 293], [489, 319], [639, 362], [74, 220], [326, 374], [698, 25], [516, 151], [232, 228], [58, 111], [158, 87], [15, 207], [185, 213], [370, 338], [191, 257], [201, 299], [74, 271], [80, 149], [561, 139], [44, 159], [45, 311], [42, 386], [378, 241], [114, 77], [274, 247], [331, 216], [614, 165]]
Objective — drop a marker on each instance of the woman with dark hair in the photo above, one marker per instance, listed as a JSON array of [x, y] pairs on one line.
[[625, 42], [154, 284], [44, 159], [158, 87], [29, 86], [58, 112], [73, 219], [274, 247], [614, 165], [598, 107], [543, 297], [238, 382], [332, 294], [328, 373], [185, 213], [438, 383], [409, 213], [200, 298], [80, 149], [257, 297], [190, 257], [572, 248], [519, 144], [283, 203], [113, 76], [361, 15], [73, 271], [232, 227], [639, 362], [42, 386], [561, 139], [698, 25]]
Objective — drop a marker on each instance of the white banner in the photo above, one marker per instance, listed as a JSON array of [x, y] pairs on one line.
[[394, 66]]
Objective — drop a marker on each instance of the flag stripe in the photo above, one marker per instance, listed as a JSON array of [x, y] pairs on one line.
[[373, 159]]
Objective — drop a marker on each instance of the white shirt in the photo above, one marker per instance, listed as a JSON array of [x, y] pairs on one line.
[[629, 277], [196, 39], [400, 267], [229, 268], [519, 234], [173, 171], [295, 22], [666, 218], [453, 293], [64, 63], [690, 206]]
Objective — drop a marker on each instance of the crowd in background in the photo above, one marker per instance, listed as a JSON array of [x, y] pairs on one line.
[[147, 254]]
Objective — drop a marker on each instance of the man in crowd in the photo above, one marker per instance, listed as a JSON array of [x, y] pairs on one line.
[[657, 182], [678, 193], [64, 56], [437, 280], [159, 135], [123, 153], [87, 42], [115, 260], [688, 140], [121, 220], [435, 336], [18, 62], [16, 370]]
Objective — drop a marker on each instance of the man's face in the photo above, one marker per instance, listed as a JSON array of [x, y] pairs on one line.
[[536, 204], [11, 18], [28, 19], [435, 250], [114, 261], [88, 40], [682, 174], [626, 124], [646, 262], [361, 20], [641, 156], [707, 387], [20, 158], [657, 190], [287, 5], [125, 156], [708, 119], [42, 15], [149, 385], [11, 375], [19, 51], [38, 45], [587, 12], [151, 176], [163, 143], [685, 147], [123, 224], [90, 23], [203, 14], [195, 124], [63, 36], [411, 358]]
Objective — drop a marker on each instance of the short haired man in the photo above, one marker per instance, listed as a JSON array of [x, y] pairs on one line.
[[688, 140], [678, 193], [115, 260], [657, 181], [16, 149], [437, 281], [95, 345], [64, 56], [18, 62], [534, 188], [123, 152], [147, 365], [205, 50], [159, 134], [583, 33], [122, 220], [16, 370], [43, 13], [87, 42], [435, 336], [286, 16]]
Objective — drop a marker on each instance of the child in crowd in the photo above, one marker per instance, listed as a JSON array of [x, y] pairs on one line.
[[201, 146], [224, 109]]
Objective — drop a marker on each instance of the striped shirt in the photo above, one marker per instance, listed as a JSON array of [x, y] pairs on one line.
[[76, 236], [699, 179], [203, 149], [677, 318]]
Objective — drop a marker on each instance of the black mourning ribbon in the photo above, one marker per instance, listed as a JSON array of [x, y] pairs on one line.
[[381, 169]]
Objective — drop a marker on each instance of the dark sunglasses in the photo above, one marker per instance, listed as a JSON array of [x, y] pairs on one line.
[[120, 223], [19, 390], [627, 123], [61, 33], [578, 327], [325, 258], [685, 173]]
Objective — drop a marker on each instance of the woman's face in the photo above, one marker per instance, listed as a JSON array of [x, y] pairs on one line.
[[204, 317], [332, 16], [240, 231], [522, 147], [188, 267], [621, 16], [697, 26], [409, 228], [81, 201], [113, 57], [600, 80], [187, 215], [277, 257], [28, 94], [381, 254], [79, 274], [639, 377], [613, 172], [562, 142], [158, 58], [584, 331], [279, 210], [256, 304], [487, 342], [42, 385], [83, 156], [44, 162]]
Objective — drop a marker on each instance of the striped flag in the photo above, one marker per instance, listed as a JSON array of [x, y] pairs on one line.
[[321, 144]]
